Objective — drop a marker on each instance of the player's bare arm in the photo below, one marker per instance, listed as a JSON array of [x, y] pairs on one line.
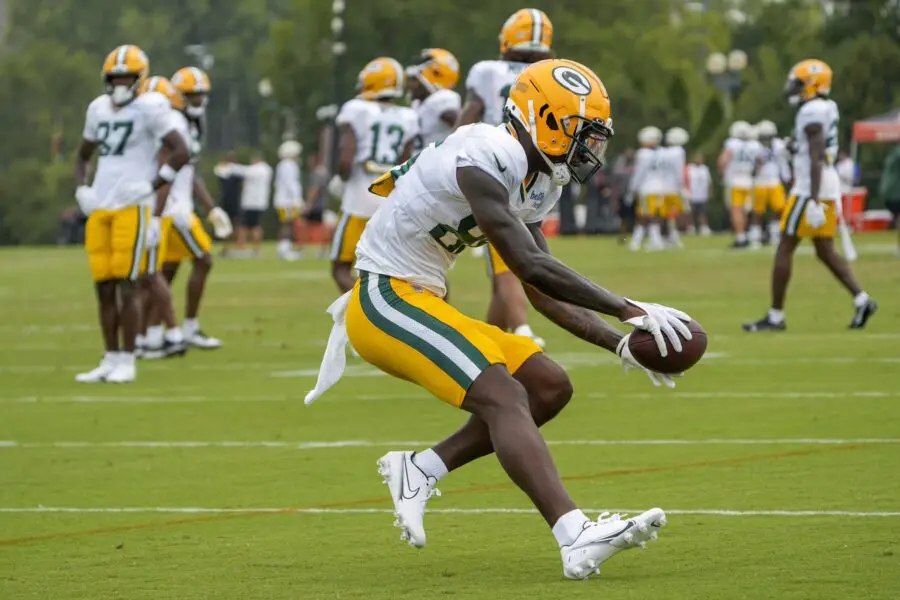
[[407, 152], [515, 244], [178, 156], [724, 159], [201, 193], [816, 137], [450, 117], [83, 160], [580, 322], [347, 152], [472, 111], [162, 192]]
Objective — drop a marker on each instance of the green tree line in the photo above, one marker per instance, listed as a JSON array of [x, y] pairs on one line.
[[649, 53]]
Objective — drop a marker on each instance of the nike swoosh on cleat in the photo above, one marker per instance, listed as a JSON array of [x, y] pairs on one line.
[[404, 484]]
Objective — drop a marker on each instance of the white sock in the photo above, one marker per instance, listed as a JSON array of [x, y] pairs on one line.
[[126, 359], [174, 335], [524, 330], [111, 357], [860, 299], [637, 237], [655, 235], [776, 316], [155, 335], [284, 246], [674, 237], [756, 234], [190, 326], [430, 463], [774, 231], [569, 527], [140, 340], [741, 237]]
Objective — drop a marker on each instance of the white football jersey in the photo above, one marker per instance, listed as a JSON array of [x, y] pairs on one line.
[[825, 113], [431, 127], [491, 80], [181, 195], [426, 222], [672, 161], [769, 171], [288, 190], [699, 180], [649, 177], [382, 131], [127, 140], [739, 171]]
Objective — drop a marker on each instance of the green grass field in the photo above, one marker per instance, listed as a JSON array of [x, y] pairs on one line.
[[776, 457]]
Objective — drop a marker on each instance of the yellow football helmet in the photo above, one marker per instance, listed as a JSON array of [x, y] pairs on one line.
[[566, 109], [380, 79], [193, 84], [527, 29], [125, 60], [808, 79], [437, 69], [164, 87]]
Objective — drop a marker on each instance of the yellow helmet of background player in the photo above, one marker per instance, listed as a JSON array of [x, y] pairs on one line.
[[566, 109], [528, 29], [193, 84], [164, 87], [123, 61], [437, 69], [380, 79], [808, 79]]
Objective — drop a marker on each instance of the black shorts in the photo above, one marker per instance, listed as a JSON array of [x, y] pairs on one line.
[[627, 211], [698, 208], [250, 218], [313, 215]]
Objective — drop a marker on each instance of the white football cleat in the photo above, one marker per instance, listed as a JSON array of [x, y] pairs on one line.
[[198, 339], [410, 490], [98, 374], [122, 373], [600, 541]]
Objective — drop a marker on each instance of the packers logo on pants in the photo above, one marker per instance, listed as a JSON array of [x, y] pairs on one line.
[[412, 334]]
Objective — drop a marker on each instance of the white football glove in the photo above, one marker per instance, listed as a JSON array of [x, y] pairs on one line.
[[661, 322], [134, 192], [814, 214], [154, 232], [336, 187], [183, 220], [629, 363], [86, 198], [221, 223]]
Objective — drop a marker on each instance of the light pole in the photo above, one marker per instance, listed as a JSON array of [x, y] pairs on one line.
[[338, 51], [725, 72]]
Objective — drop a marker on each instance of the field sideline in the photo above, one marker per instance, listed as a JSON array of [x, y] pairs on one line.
[[208, 478]]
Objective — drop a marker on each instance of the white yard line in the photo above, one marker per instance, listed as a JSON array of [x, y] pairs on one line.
[[445, 511], [311, 445]]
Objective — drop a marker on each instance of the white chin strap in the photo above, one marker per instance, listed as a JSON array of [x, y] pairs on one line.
[[559, 173], [122, 94]]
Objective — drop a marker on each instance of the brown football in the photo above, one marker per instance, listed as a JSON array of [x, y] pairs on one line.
[[643, 348]]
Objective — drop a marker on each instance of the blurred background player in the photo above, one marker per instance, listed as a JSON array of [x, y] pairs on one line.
[[375, 134], [699, 190], [525, 38], [811, 210], [125, 129], [230, 184], [647, 186], [737, 163], [430, 82], [768, 192], [160, 335], [288, 197], [188, 238], [674, 163]]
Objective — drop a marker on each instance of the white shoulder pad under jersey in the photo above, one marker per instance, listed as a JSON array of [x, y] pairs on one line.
[[127, 139], [181, 194], [426, 221], [491, 81], [431, 127]]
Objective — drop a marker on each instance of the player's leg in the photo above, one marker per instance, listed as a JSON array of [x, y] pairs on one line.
[[508, 309], [739, 216], [166, 337], [757, 214], [656, 213], [674, 210], [863, 306], [642, 222], [776, 206], [343, 250], [287, 216], [193, 237]]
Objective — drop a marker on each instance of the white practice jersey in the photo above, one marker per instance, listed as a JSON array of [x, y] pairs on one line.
[[181, 195], [382, 131], [672, 160], [426, 222], [739, 171], [288, 190], [649, 177], [699, 180], [770, 167], [491, 81], [825, 113], [431, 127], [128, 140]]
